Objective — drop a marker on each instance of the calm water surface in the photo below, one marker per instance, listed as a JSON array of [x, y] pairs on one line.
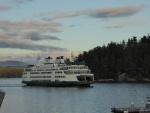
[[99, 99]]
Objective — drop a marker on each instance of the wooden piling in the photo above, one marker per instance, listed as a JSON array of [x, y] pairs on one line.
[[2, 94]]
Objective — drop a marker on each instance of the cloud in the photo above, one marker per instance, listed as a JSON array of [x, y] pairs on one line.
[[23, 34], [5, 8], [31, 57], [114, 27], [25, 25], [108, 12], [124, 23], [73, 25], [65, 15], [36, 36], [115, 12], [19, 2], [28, 46]]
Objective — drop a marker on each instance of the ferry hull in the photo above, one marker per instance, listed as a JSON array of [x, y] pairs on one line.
[[58, 84]]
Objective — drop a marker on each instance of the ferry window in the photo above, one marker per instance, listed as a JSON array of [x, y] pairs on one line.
[[66, 72], [27, 69], [34, 73], [147, 106], [43, 72]]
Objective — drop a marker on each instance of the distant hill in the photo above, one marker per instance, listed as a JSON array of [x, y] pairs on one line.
[[12, 64]]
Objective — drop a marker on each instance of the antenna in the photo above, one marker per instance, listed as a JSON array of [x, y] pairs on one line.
[[72, 55], [38, 58]]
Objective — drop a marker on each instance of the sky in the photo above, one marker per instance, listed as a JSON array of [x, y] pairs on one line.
[[29, 28]]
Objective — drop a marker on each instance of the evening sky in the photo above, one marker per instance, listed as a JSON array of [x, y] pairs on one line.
[[56, 27]]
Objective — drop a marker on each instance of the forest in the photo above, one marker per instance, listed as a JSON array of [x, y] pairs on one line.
[[11, 72], [109, 61]]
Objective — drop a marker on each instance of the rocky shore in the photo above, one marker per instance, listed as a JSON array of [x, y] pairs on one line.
[[128, 80], [124, 78]]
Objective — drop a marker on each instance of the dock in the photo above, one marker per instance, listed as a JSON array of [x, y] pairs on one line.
[[126, 110], [2, 94]]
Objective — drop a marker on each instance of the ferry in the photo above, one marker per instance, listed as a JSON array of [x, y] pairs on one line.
[[58, 72]]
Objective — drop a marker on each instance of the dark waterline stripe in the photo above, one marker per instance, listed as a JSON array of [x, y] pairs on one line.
[[11, 85]]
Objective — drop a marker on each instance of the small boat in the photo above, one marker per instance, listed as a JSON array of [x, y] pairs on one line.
[[145, 107]]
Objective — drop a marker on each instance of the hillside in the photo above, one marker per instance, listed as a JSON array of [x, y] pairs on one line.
[[12, 64]]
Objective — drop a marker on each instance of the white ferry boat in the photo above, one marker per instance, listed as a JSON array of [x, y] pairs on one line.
[[58, 73]]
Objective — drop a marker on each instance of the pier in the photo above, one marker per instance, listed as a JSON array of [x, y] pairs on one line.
[[2, 94], [125, 110]]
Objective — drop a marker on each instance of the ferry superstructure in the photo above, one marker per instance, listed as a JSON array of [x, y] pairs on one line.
[[58, 73]]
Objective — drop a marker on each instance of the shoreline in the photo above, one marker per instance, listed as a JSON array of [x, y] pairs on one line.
[[122, 81]]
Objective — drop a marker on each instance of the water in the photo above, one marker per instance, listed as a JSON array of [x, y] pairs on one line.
[[99, 99]]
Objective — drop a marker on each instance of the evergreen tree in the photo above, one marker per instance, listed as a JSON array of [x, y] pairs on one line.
[[131, 57]]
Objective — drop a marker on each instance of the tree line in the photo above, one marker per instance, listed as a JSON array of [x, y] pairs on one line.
[[11, 72], [131, 57]]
